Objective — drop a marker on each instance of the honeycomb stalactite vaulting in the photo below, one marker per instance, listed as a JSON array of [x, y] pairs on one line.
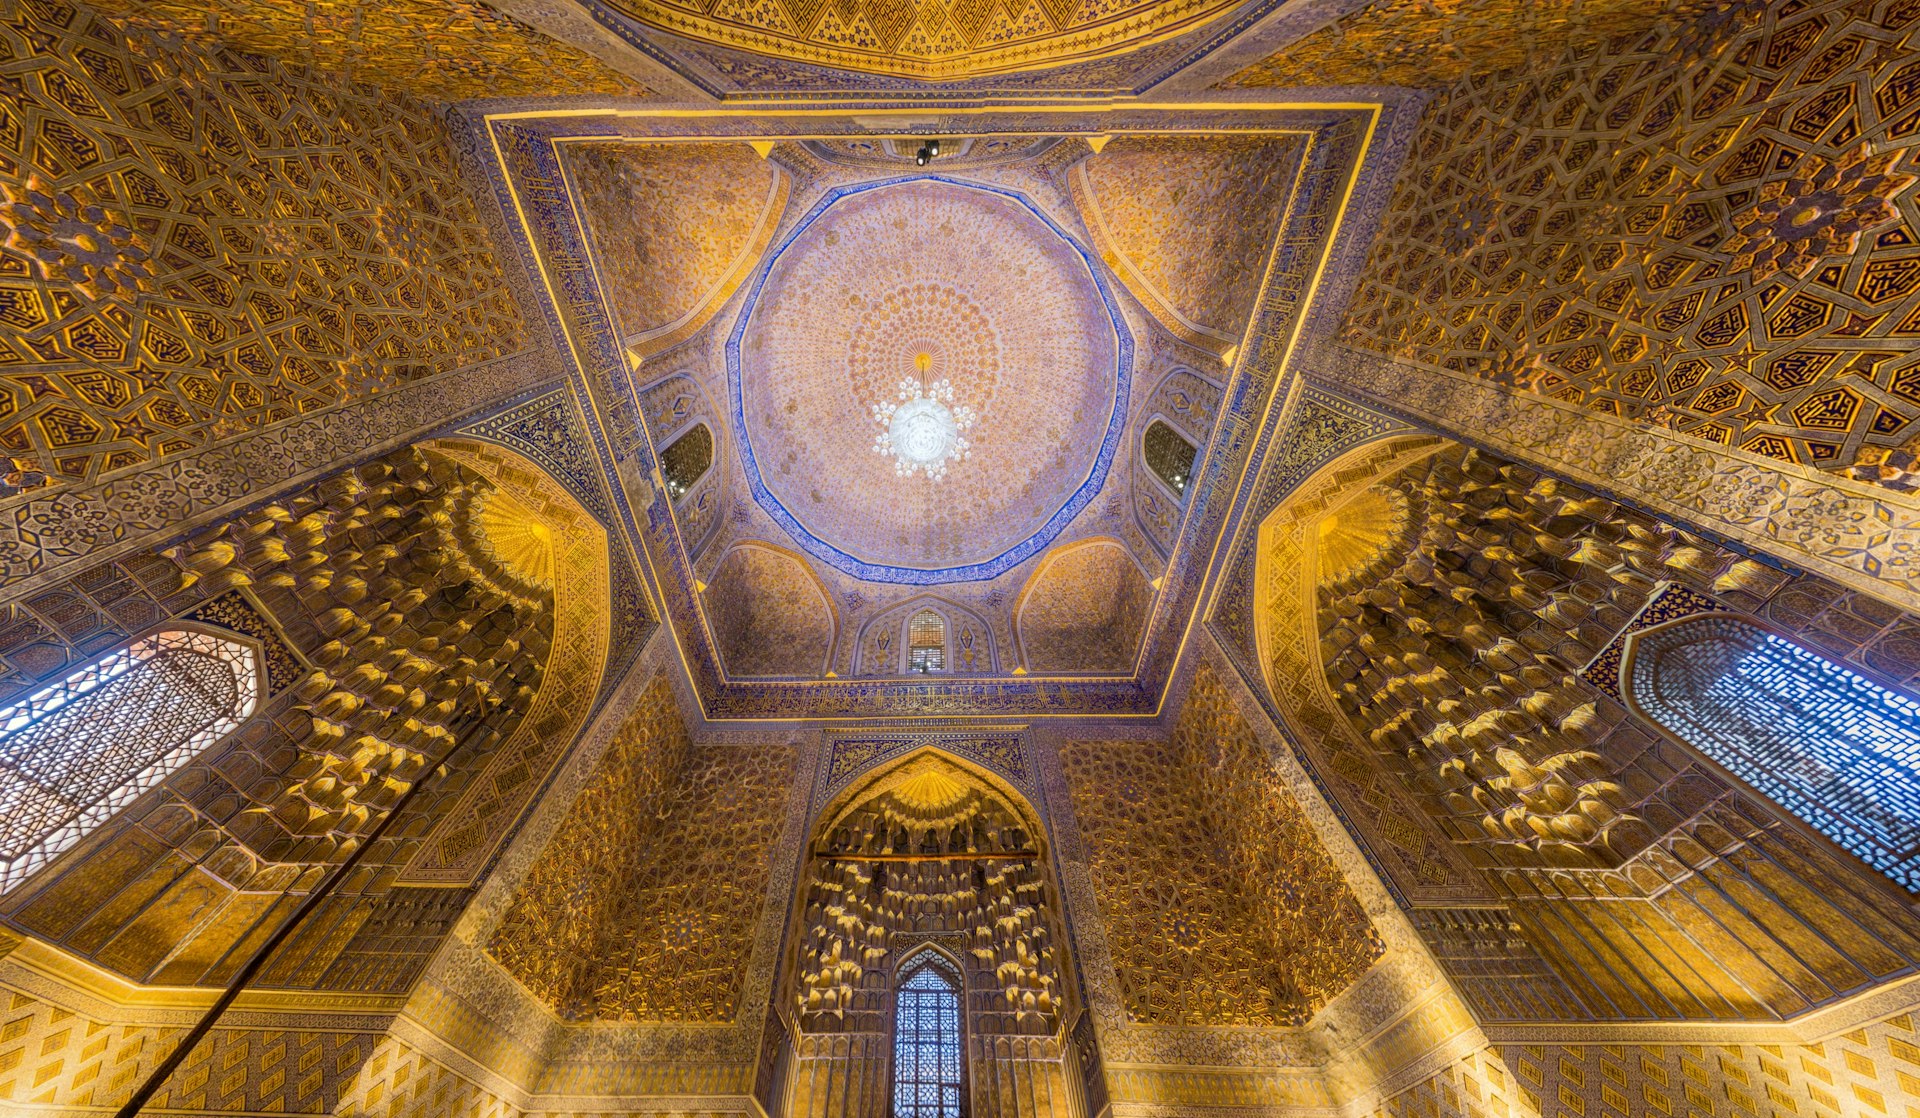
[[644, 904], [931, 855], [1710, 226], [1455, 650], [1220, 904], [938, 41], [195, 243], [397, 636]]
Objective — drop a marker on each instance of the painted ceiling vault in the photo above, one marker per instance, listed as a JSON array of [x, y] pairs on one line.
[[1253, 558], [927, 390]]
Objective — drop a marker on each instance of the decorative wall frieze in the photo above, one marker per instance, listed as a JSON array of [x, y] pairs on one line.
[[44, 539], [1861, 536]]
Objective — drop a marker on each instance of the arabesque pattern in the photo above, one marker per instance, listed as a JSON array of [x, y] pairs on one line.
[[932, 41], [195, 243], [1220, 904], [1708, 226], [444, 50], [1425, 43], [644, 904]]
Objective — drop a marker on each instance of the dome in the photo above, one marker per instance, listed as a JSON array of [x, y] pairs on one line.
[[930, 376]]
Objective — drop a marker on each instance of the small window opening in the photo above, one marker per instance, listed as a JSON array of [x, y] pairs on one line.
[[1169, 456], [927, 642], [686, 460]]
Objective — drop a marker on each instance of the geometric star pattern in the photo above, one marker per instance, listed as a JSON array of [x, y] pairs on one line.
[[1734, 255], [195, 243]]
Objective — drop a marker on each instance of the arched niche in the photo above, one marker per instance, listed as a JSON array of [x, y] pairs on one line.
[[1083, 610], [1441, 618], [1179, 413], [681, 416], [447, 594], [770, 614], [930, 853], [884, 644]]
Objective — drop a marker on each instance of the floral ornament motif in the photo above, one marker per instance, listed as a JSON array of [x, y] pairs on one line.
[[76, 238], [1818, 211], [921, 430]]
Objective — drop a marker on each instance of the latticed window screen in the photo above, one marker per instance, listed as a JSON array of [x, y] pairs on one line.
[[75, 752], [686, 460], [927, 1052], [1837, 750], [1170, 456], [927, 642]]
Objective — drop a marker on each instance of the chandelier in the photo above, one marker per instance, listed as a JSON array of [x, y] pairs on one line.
[[921, 429]]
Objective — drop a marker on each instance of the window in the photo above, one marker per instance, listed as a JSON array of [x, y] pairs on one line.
[[1837, 750], [1169, 456], [927, 642], [686, 460], [73, 753], [927, 1056]]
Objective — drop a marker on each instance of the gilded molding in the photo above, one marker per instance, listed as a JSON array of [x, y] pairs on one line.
[[1862, 536]]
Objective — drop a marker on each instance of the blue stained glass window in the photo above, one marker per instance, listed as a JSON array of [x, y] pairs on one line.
[[1828, 745], [927, 1055]]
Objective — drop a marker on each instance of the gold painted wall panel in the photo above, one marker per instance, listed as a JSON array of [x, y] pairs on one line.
[[442, 50], [1187, 223], [1435, 42], [1873, 1069], [194, 243], [770, 613], [1083, 611], [1708, 227], [644, 904], [1221, 906]]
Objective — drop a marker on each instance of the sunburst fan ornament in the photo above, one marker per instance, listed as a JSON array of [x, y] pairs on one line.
[[929, 791], [517, 539]]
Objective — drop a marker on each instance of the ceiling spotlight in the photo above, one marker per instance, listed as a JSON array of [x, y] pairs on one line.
[[933, 146], [927, 151]]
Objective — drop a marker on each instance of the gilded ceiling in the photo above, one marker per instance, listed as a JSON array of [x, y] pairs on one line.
[[885, 294], [830, 562], [931, 382], [677, 227]]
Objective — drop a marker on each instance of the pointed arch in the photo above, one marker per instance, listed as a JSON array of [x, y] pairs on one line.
[[1083, 609], [882, 646], [1828, 748], [929, 1036], [769, 613], [88, 744]]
